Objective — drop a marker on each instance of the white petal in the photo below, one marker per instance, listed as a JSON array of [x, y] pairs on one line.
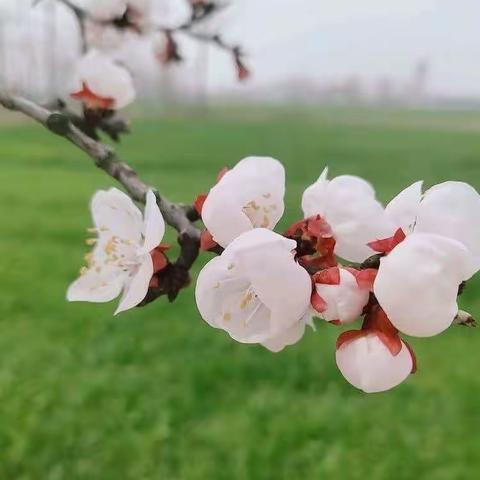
[[259, 240], [153, 226], [314, 197], [224, 217], [106, 10], [286, 338], [248, 196], [367, 364], [115, 214], [403, 209], [265, 258], [97, 287], [345, 301], [355, 216], [452, 209], [349, 206], [137, 288], [225, 300], [417, 283], [105, 78], [254, 290]]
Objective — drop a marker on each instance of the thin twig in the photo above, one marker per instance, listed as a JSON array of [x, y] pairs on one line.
[[176, 215]]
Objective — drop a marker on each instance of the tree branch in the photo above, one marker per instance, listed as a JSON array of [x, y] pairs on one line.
[[178, 216]]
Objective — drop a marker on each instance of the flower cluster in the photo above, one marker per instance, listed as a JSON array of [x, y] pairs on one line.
[[408, 260], [399, 268], [111, 32]]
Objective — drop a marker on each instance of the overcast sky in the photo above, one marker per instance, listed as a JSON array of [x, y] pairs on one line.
[[328, 40], [325, 39]]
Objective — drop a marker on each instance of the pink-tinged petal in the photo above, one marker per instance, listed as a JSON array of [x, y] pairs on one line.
[[386, 245], [451, 209], [368, 365], [403, 209], [417, 283], [153, 225], [97, 286], [115, 214], [136, 288], [344, 300]]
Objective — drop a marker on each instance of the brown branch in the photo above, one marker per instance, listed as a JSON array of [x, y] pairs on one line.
[[91, 122], [178, 216]]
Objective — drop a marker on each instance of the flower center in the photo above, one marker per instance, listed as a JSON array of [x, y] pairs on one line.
[[111, 251], [260, 211]]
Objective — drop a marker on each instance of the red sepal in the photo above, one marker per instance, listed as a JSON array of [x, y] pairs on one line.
[[159, 259], [318, 227], [366, 278], [392, 342], [92, 100], [414, 357], [349, 336], [206, 241], [318, 303], [330, 276], [386, 245], [199, 201]]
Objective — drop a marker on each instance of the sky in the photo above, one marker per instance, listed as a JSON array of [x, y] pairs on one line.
[[328, 40]]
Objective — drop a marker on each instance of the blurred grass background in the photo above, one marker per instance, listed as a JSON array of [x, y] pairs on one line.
[[157, 394]]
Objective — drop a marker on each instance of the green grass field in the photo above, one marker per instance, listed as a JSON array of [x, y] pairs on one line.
[[156, 393]]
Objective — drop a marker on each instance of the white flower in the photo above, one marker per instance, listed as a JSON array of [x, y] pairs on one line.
[[290, 336], [108, 10], [105, 10], [368, 364], [349, 206], [100, 83], [121, 257], [417, 283], [255, 290], [402, 211], [450, 209], [248, 196], [343, 298]]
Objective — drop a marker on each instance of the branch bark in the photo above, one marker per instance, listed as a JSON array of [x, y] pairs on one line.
[[180, 217]]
